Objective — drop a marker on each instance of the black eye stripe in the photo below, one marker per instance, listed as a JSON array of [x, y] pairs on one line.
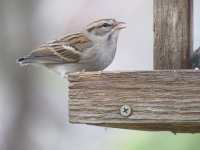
[[106, 25]]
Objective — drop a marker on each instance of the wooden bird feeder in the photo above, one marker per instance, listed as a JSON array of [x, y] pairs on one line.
[[166, 99]]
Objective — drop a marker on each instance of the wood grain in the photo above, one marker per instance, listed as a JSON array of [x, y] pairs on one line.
[[160, 100], [173, 32]]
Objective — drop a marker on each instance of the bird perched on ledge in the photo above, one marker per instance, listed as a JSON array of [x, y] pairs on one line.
[[91, 50], [195, 60]]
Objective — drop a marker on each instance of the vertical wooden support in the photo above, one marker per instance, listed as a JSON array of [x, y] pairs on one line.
[[173, 29]]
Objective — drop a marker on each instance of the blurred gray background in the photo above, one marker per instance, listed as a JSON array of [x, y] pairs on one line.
[[33, 101]]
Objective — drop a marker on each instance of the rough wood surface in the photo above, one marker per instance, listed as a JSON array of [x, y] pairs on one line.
[[172, 33], [160, 100]]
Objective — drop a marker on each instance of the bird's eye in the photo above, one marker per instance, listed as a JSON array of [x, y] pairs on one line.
[[106, 25]]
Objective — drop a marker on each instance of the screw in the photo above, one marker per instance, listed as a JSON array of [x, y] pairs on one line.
[[125, 111]]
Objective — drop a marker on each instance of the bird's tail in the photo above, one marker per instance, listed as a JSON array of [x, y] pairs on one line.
[[25, 61], [29, 60], [40, 56]]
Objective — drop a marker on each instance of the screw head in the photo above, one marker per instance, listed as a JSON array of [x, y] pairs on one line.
[[125, 111]]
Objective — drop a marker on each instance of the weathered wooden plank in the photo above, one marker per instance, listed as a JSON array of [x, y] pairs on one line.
[[173, 29], [160, 100]]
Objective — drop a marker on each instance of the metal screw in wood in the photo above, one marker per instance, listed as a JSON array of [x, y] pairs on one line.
[[125, 110]]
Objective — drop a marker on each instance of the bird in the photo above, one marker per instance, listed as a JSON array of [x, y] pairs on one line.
[[93, 49], [195, 59]]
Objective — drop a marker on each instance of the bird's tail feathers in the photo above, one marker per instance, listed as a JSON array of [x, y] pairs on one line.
[[25, 61], [28, 60]]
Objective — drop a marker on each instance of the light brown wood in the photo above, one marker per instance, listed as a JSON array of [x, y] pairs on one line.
[[173, 28], [160, 100]]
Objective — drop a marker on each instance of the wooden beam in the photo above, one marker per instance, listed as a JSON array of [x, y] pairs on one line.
[[159, 100], [173, 28]]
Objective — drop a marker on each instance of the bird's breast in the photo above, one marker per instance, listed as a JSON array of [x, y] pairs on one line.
[[99, 57], [104, 56]]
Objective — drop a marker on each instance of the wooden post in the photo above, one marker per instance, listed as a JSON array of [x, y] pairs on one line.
[[172, 33]]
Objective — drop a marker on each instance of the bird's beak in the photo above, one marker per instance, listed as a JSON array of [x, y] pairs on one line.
[[120, 25]]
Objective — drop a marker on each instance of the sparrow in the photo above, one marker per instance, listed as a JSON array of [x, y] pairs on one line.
[[195, 59], [93, 49]]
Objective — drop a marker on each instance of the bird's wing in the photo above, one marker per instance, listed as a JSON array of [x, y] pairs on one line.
[[64, 50]]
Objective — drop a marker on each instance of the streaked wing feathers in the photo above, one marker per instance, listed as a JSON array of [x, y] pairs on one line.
[[79, 41], [65, 50]]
